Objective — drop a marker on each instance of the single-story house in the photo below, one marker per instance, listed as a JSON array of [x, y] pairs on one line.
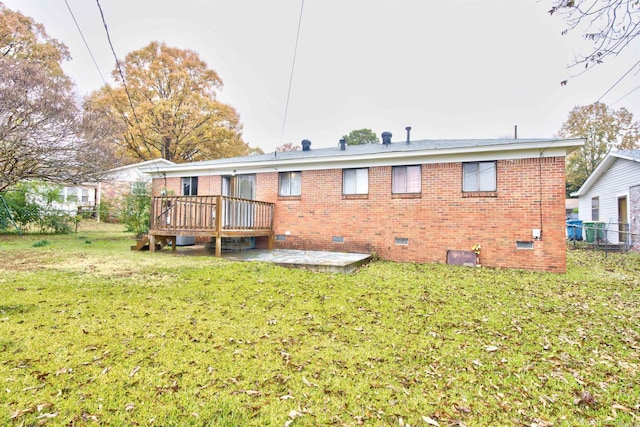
[[611, 196], [70, 199], [409, 201], [120, 181]]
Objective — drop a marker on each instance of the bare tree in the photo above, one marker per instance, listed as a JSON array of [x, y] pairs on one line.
[[288, 146], [40, 133], [39, 129], [609, 24]]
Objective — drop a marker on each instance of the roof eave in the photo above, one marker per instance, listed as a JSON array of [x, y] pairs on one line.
[[568, 144]]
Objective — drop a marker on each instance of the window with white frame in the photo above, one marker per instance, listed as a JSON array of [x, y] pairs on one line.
[[406, 179], [355, 181], [479, 176], [71, 195], [290, 184], [190, 186], [595, 209], [84, 197]]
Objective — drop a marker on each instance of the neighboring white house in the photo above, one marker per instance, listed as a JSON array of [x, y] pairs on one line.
[[86, 197], [120, 181], [611, 195], [71, 199]]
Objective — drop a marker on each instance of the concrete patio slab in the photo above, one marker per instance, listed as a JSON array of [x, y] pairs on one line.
[[335, 262]]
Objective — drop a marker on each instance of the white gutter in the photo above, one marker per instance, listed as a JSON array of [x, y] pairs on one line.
[[550, 148]]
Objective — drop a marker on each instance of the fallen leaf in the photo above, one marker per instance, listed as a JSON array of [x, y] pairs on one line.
[[47, 415], [91, 417], [293, 414], [134, 371], [430, 421], [620, 407], [21, 412], [286, 396], [586, 398], [308, 383], [129, 407], [42, 406], [491, 348]]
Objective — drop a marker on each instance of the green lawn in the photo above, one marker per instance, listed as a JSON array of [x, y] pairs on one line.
[[92, 333]]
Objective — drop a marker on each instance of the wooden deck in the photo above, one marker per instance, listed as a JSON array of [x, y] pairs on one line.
[[209, 216]]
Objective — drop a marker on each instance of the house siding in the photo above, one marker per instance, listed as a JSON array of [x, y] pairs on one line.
[[634, 216], [613, 184], [530, 195]]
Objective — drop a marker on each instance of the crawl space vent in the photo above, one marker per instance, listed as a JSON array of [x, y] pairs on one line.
[[524, 245]]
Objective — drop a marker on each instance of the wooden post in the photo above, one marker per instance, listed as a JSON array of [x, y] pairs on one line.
[[152, 243], [218, 226], [218, 246]]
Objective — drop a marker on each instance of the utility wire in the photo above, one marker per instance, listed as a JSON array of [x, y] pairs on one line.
[[618, 81], [124, 83], [625, 95], [85, 43], [293, 66]]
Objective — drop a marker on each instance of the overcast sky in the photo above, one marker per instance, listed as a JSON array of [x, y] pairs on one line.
[[449, 69]]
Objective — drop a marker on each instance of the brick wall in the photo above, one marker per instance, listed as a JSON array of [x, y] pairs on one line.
[[439, 219]]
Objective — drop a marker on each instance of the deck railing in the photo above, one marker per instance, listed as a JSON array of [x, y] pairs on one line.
[[202, 214]]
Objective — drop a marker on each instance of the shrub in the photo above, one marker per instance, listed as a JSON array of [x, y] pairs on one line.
[[136, 209], [23, 211]]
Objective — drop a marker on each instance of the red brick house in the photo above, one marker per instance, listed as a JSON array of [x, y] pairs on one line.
[[404, 201]]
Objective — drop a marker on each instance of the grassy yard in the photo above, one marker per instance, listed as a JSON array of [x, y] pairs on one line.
[[92, 333]]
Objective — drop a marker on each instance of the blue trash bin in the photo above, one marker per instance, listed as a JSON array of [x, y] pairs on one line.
[[574, 229]]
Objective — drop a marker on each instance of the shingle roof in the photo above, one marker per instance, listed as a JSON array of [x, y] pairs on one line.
[[629, 153], [423, 146]]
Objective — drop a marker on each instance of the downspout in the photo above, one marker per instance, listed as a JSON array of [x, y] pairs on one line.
[[540, 182]]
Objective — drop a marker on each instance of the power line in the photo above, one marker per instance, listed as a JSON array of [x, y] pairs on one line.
[[618, 81], [625, 95], [124, 83], [293, 65], [85, 42]]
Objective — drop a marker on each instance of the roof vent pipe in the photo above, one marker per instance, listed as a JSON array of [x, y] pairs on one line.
[[386, 138], [306, 145], [343, 144], [408, 129]]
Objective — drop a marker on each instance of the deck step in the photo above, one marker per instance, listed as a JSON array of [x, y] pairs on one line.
[[142, 243]]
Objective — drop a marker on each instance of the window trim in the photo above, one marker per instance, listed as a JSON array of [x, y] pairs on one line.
[[289, 193], [192, 180], [595, 208], [406, 181], [356, 192], [478, 188]]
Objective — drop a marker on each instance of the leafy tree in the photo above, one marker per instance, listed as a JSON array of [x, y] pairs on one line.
[[609, 24], [168, 108], [289, 146], [39, 123], [22, 39], [361, 136], [604, 129]]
